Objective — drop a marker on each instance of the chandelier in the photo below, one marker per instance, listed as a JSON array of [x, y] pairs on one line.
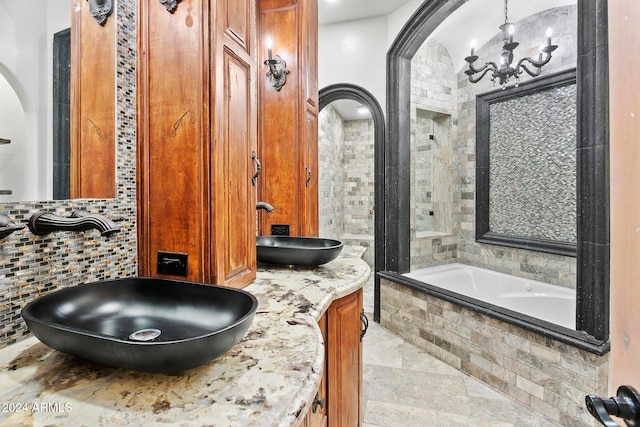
[[506, 69]]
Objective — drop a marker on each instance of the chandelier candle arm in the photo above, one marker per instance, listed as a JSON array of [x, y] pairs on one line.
[[506, 70]]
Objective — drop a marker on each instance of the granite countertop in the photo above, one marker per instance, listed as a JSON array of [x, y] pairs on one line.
[[268, 378]]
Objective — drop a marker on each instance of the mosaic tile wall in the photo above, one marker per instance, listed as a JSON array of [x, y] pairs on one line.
[[538, 146], [550, 377], [31, 266], [549, 268]]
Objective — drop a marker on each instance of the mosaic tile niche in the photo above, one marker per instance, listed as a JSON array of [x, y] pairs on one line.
[[31, 266]]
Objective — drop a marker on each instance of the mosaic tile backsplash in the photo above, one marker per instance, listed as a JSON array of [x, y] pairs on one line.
[[533, 138], [30, 265]]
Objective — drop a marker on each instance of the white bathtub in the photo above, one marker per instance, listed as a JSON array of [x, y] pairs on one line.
[[551, 303]]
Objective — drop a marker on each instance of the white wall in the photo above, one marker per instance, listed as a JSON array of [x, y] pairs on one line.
[[356, 51], [26, 35]]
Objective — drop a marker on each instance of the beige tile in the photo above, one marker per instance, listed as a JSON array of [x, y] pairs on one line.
[[381, 348], [404, 386]]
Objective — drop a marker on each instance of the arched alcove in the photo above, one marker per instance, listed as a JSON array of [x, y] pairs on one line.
[[357, 93], [592, 314]]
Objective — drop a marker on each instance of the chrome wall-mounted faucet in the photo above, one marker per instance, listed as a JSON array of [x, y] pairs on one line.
[[43, 222]]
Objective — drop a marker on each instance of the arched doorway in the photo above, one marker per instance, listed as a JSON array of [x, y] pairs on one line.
[[357, 93]]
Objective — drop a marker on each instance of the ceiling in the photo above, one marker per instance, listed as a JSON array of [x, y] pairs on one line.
[[333, 11], [491, 13]]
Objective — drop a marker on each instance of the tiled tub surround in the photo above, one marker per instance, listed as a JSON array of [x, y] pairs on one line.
[[32, 265], [548, 375], [549, 268], [437, 91], [269, 378], [551, 303]]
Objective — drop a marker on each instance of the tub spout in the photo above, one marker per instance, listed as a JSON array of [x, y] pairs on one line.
[[265, 206], [42, 223]]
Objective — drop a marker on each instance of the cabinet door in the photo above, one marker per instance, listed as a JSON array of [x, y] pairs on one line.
[[319, 417], [309, 186], [344, 379], [234, 115]]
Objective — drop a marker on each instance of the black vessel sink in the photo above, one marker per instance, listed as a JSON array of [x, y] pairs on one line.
[[143, 324], [302, 251]]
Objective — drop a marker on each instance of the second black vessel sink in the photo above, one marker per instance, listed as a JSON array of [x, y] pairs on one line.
[[302, 251], [143, 324]]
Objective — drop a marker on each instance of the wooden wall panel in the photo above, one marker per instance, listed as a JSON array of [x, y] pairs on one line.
[[625, 205], [279, 119], [288, 133], [173, 89], [93, 122]]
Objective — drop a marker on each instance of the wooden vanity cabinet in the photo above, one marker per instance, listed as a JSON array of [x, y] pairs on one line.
[[344, 361], [288, 117], [317, 414], [342, 379], [196, 135]]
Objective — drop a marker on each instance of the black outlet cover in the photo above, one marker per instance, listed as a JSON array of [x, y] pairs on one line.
[[172, 263], [280, 229]]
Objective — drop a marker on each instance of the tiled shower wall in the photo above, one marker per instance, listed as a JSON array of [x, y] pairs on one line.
[[530, 32], [331, 173], [31, 265], [346, 193], [433, 112], [437, 89]]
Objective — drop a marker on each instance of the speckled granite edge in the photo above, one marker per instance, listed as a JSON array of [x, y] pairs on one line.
[[269, 378]]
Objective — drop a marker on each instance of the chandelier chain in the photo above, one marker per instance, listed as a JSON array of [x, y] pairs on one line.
[[506, 11]]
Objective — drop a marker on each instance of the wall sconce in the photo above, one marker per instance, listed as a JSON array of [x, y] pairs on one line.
[[170, 5], [278, 71], [100, 10]]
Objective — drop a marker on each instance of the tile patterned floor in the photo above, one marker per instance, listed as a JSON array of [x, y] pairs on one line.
[[404, 387]]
